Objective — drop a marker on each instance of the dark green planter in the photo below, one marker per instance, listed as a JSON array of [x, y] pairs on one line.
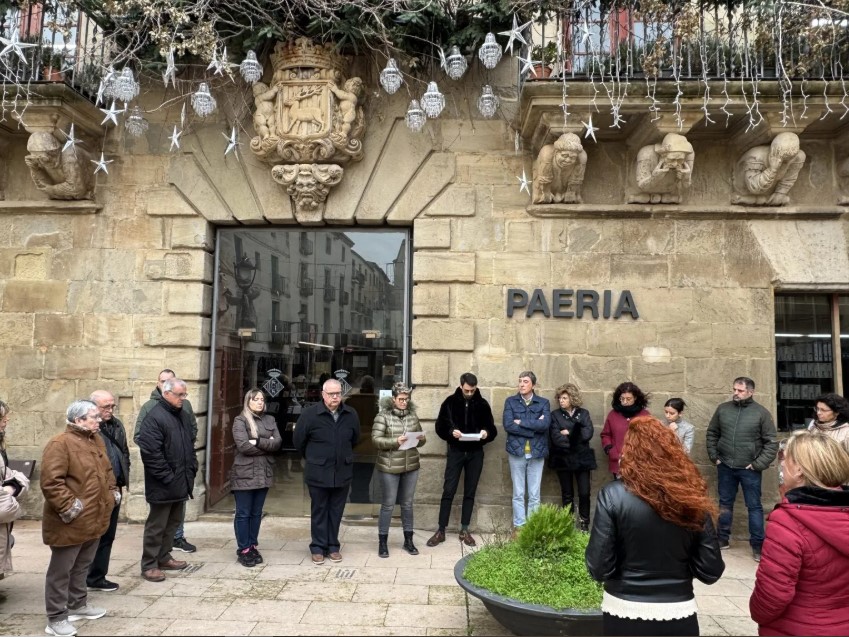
[[531, 619]]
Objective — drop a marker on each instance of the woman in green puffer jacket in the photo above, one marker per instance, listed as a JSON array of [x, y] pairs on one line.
[[398, 468]]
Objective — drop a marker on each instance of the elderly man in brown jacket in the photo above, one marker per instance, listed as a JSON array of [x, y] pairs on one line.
[[79, 494]]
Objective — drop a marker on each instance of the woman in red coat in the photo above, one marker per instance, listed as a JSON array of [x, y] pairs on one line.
[[802, 583], [628, 402]]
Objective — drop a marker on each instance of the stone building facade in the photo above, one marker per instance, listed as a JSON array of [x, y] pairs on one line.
[[106, 293]]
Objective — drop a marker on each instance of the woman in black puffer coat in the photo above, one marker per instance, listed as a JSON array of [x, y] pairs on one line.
[[570, 454]]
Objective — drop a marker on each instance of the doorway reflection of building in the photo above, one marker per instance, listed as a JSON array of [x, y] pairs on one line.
[[327, 304]]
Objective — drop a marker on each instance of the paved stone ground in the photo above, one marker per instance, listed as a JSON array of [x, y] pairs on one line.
[[287, 595]]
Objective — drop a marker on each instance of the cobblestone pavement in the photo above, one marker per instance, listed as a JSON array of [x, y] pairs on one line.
[[287, 595]]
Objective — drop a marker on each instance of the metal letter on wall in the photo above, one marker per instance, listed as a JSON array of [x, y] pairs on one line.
[[308, 122]]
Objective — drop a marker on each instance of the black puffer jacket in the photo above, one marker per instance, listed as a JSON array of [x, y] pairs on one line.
[[168, 455], [572, 452], [469, 416], [641, 557]]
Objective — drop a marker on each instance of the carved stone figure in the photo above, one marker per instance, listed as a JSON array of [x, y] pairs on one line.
[[308, 185], [346, 107], [664, 171], [843, 182], [264, 114], [765, 174], [559, 171], [61, 174]]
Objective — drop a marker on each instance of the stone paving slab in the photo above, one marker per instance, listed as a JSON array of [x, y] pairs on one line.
[[288, 595]]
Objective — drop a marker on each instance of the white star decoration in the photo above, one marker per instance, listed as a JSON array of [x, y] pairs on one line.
[[515, 34], [219, 65], [100, 91], [523, 183], [590, 129], [528, 65], [13, 44], [232, 142], [443, 63], [71, 139], [170, 69], [101, 164], [175, 139], [111, 114]]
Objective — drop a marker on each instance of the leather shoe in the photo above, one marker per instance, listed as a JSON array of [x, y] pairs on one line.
[[318, 559], [436, 538], [335, 556], [467, 539], [173, 565], [153, 575]]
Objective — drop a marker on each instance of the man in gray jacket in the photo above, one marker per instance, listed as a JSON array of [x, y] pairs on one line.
[[741, 441]]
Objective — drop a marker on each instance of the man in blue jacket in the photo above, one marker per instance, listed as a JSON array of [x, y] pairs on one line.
[[325, 435], [526, 420]]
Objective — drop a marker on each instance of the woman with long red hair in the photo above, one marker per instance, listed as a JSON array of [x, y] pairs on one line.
[[653, 532]]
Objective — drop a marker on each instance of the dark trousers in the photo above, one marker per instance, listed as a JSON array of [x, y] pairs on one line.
[[248, 516], [471, 463], [750, 481], [64, 583], [100, 566], [612, 625], [162, 521], [326, 508], [568, 495]]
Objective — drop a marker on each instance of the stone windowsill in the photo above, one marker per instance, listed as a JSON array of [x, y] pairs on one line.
[[50, 207], [643, 211]]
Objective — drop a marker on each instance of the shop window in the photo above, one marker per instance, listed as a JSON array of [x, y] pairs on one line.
[[811, 332]]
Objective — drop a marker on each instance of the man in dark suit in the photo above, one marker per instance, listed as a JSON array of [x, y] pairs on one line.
[[325, 436]]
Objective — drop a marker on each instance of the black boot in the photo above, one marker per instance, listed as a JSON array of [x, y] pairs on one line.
[[408, 543], [382, 549], [584, 525]]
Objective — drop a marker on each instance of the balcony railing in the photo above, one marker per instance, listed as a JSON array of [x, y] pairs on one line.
[[345, 297], [56, 46], [306, 246], [307, 286], [329, 294]]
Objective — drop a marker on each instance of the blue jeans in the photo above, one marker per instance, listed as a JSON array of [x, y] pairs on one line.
[[728, 479], [525, 472], [400, 487], [248, 516]]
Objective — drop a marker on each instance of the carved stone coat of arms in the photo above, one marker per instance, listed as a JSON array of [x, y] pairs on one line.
[[308, 121]]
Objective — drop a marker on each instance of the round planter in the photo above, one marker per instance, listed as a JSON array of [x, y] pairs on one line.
[[531, 619]]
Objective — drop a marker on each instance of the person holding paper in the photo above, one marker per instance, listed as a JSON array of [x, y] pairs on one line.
[[395, 427], [465, 422]]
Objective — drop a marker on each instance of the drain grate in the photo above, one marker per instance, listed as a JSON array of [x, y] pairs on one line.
[[346, 573], [194, 567]]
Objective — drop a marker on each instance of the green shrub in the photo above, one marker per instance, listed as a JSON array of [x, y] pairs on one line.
[[545, 565]]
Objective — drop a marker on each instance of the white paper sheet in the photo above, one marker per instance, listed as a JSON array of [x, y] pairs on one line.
[[469, 437], [412, 439]]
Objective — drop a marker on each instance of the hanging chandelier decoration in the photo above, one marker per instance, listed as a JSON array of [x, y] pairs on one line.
[[488, 102], [124, 86], [136, 124], [433, 101], [455, 63], [251, 69], [390, 77], [203, 102], [490, 52], [415, 117]]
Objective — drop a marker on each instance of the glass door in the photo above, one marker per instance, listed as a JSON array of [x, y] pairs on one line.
[[295, 308]]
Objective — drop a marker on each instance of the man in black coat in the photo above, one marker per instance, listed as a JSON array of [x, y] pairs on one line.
[[170, 465], [115, 438], [464, 412], [325, 436]]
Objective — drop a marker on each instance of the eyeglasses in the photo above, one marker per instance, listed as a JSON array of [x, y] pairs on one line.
[[112, 406], [183, 395], [332, 394], [89, 417], [402, 400]]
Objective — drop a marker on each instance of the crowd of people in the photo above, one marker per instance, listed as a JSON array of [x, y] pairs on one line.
[[655, 527]]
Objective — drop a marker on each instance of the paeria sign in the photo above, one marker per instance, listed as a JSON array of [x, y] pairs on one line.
[[567, 303]]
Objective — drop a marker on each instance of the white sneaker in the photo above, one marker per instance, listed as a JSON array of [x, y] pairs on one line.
[[86, 612], [63, 628]]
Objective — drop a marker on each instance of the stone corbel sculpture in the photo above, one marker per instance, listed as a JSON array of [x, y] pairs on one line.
[[664, 171], [765, 174], [843, 181], [559, 171], [61, 174], [308, 185]]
